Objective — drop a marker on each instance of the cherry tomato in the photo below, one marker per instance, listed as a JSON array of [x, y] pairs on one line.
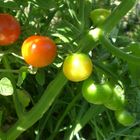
[[98, 16], [77, 67], [124, 117], [9, 29], [117, 101], [38, 51], [96, 93]]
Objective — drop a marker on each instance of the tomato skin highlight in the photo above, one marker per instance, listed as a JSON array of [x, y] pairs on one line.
[[96, 93], [117, 101], [98, 16], [77, 67], [38, 51], [124, 117], [9, 29]]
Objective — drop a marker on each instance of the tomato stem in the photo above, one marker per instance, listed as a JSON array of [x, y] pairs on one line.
[[80, 122], [117, 52], [39, 109], [18, 106]]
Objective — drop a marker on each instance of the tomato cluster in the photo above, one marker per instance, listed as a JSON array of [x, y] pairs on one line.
[[38, 51], [111, 96]]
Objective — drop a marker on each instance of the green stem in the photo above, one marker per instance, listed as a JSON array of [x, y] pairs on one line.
[[70, 105], [92, 111], [9, 71], [117, 15], [17, 104], [90, 40], [39, 109], [117, 52], [110, 121], [2, 136]]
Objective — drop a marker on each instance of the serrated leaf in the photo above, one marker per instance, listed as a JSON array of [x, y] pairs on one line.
[[6, 87]]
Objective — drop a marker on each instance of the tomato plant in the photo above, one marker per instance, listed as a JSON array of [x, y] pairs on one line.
[[77, 67], [117, 101], [43, 103], [38, 51], [124, 117], [98, 16], [96, 93], [9, 29]]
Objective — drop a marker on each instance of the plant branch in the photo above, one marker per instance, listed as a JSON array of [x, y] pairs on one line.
[[117, 15], [117, 52], [39, 109]]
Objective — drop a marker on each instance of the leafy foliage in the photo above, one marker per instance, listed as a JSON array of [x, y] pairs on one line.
[[66, 114]]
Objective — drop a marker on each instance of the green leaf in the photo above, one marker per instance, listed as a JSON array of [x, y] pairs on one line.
[[134, 70], [47, 4], [134, 48], [23, 97], [22, 75], [40, 77], [6, 87], [9, 4]]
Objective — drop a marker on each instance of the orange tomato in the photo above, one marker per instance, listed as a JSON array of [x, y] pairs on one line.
[[38, 51], [77, 67], [9, 29]]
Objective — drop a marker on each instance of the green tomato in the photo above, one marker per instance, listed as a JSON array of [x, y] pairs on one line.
[[77, 67], [117, 101], [98, 16], [124, 117], [96, 93]]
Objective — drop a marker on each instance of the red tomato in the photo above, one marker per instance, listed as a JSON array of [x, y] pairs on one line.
[[9, 29], [38, 51]]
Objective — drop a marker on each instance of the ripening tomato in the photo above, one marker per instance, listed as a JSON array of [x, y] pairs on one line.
[[117, 101], [77, 67], [98, 16], [9, 29], [96, 93], [124, 117], [38, 51]]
